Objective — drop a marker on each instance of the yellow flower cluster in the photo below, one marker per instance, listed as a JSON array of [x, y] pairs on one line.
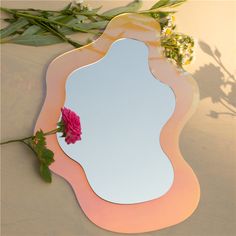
[[177, 47]]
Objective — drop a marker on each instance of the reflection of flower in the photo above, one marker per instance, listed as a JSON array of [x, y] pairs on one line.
[[70, 125]]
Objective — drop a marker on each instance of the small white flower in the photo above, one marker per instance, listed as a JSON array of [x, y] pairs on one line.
[[166, 31], [171, 20]]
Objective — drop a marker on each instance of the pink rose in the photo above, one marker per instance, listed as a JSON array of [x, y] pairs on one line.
[[71, 126]]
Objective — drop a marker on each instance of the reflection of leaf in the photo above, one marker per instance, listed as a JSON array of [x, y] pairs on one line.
[[217, 53], [206, 48]]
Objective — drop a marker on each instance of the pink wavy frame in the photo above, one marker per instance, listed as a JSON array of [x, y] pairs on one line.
[[183, 197]]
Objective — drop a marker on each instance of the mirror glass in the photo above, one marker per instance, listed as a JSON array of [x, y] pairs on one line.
[[122, 108]]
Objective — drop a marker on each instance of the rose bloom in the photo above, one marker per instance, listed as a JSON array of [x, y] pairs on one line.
[[71, 124]]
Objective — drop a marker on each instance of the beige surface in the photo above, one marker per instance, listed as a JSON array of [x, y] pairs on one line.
[[208, 143]]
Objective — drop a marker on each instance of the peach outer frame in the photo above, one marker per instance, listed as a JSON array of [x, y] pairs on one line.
[[183, 197]]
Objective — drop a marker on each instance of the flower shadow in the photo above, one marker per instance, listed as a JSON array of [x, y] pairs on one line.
[[214, 84]]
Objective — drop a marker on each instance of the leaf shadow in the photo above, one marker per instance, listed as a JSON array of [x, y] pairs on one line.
[[214, 84]]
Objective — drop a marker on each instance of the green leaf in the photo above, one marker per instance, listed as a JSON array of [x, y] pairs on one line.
[[131, 7], [36, 40], [46, 14], [71, 21], [45, 173], [47, 156], [39, 141], [159, 4], [54, 30], [177, 3], [10, 20], [67, 7], [160, 16], [12, 28], [76, 22], [63, 19], [92, 25], [167, 3], [44, 155], [89, 12], [58, 17], [80, 18], [33, 29]]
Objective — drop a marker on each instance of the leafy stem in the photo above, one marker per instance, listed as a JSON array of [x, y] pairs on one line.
[[37, 143], [37, 27], [43, 19], [13, 141], [30, 137], [55, 32]]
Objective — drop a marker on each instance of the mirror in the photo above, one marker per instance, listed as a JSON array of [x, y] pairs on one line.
[[122, 108]]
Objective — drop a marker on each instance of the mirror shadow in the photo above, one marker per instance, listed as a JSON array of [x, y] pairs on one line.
[[214, 84]]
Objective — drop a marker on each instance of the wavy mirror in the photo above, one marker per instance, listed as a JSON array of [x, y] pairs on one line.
[[127, 172], [122, 108]]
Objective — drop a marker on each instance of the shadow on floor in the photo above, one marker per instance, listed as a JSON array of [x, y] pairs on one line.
[[214, 84]]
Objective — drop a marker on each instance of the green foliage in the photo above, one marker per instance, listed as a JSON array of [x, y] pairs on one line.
[[36, 40], [131, 7], [178, 48], [45, 156], [167, 3], [13, 28], [36, 27], [45, 173], [31, 30]]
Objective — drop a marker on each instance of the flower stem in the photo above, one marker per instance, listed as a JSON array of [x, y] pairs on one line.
[[52, 131], [30, 137], [12, 141]]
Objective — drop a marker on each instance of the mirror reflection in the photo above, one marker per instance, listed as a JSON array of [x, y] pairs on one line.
[[122, 108]]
